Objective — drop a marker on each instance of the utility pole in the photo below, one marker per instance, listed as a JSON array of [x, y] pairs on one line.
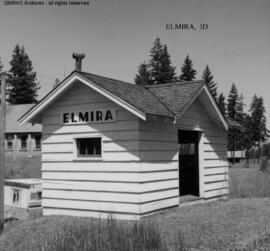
[[2, 148]]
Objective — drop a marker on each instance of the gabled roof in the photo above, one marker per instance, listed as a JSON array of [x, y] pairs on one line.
[[176, 96], [169, 100], [13, 113], [137, 96]]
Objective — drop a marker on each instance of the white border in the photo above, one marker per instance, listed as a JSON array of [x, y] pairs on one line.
[[75, 150]]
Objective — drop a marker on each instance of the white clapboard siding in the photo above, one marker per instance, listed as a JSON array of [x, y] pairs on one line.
[[216, 193], [110, 166], [156, 145], [90, 205], [87, 213], [121, 177], [216, 177], [112, 136], [215, 155], [216, 185], [95, 127], [108, 156], [106, 146], [92, 186], [216, 170], [214, 147], [157, 205], [159, 195], [160, 185], [94, 196], [215, 163]]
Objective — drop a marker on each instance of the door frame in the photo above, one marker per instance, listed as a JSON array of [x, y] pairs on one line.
[[200, 160]]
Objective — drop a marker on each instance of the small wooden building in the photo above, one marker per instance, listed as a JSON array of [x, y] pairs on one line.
[[113, 147], [23, 193]]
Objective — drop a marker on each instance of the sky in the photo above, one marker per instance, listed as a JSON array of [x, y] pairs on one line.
[[117, 35]]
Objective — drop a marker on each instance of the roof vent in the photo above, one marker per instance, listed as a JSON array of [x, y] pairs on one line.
[[78, 60]]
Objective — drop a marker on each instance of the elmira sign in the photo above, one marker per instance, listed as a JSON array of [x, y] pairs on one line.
[[93, 116]]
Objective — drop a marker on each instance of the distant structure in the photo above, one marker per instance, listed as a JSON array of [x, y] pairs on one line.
[[23, 193], [21, 141]]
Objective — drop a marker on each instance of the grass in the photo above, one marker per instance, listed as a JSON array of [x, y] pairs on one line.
[[239, 223], [23, 167], [64, 233], [249, 182]]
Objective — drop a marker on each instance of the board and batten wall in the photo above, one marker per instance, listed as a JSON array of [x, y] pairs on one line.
[[213, 163], [90, 188]]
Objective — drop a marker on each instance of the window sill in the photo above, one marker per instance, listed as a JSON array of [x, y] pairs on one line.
[[87, 159]]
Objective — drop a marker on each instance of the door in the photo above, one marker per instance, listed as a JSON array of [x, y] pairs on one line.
[[188, 162]]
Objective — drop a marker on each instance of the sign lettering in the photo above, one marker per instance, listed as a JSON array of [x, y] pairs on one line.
[[93, 116]]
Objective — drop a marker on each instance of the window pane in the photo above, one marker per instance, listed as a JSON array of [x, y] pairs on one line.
[[23, 142], [89, 147]]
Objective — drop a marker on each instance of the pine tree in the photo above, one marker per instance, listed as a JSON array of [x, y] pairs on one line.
[[1, 65], [232, 112], [167, 70], [221, 103], [23, 88], [258, 120], [233, 103], [188, 73], [143, 76], [160, 66], [209, 80]]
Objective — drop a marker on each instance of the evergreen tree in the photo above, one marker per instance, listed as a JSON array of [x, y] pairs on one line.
[[232, 112], [209, 80], [160, 66], [1, 65], [22, 88], [143, 76], [233, 103], [188, 73], [240, 114], [221, 103], [159, 69], [259, 131]]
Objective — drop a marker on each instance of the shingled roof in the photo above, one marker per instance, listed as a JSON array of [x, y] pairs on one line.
[[135, 95], [176, 96], [169, 100], [13, 113]]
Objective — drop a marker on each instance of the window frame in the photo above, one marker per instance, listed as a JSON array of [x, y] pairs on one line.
[[10, 139], [21, 142], [35, 137], [76, 157], [19, 193]]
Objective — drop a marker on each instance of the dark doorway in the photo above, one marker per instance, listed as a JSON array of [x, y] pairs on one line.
[[188, 162]]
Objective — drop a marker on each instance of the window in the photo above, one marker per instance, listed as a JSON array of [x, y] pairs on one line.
[[88, 147], [10, 142], [16, 196], [38, 142], [23, 142], [36, 196], [187, 149]]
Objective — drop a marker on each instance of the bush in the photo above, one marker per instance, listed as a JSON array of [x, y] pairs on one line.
[[64, 233]]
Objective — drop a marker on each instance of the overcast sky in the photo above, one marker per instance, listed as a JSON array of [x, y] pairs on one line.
[[116, 37]]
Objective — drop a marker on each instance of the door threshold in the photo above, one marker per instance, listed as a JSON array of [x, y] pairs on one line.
[[189, 200]]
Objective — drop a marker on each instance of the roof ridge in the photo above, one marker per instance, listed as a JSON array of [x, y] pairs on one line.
[[161, 102], [124, 82], [174, 83]]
